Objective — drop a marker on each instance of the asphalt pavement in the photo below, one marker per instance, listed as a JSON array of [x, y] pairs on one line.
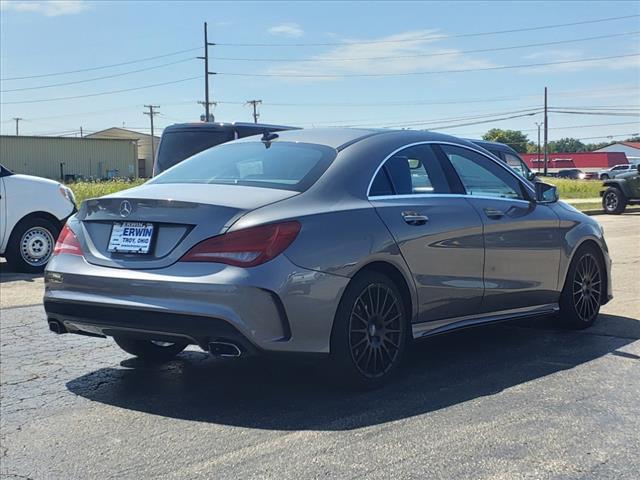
[[523, 400]]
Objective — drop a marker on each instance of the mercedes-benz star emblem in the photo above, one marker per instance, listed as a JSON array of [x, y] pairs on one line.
[[125, 208]]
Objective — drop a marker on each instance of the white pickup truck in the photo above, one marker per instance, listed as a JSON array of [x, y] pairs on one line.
[[32, 213]]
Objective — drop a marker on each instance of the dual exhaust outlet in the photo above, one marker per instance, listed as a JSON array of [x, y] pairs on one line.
[[217, 349]]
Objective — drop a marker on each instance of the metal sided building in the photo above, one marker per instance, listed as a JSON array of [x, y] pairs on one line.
[[64, 158]]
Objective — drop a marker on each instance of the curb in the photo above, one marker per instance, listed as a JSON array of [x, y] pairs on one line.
[[601, 212]]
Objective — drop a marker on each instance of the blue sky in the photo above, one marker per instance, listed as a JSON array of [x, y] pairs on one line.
[[41, 37]]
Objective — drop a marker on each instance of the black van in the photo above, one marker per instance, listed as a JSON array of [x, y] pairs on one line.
[[508, 155], [182, 140]]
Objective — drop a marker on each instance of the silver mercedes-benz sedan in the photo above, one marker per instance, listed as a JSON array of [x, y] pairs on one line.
[[340, 242]]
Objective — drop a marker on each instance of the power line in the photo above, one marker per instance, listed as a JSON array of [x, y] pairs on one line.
[[431, 72], [103, 93], [422, 55], [100, 67], [610, 114], [428, 37], [130, 72], [525, 111]]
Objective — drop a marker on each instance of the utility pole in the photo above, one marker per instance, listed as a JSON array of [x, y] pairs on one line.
[[207, 103], [546, 134], [17, 119], [255, 104], [538, 125], [81, 135], [151, 114]]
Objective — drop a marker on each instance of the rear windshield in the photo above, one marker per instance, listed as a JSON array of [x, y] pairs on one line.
[[180, 144], [281, 165]]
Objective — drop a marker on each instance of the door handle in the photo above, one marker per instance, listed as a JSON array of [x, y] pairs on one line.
[[414, 218], [494, 213]]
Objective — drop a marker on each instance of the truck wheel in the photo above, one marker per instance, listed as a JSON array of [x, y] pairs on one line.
[[614, 201], [31, 244]]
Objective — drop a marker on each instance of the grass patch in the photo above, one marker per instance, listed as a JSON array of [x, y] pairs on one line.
[[85, 190], [575, 188]]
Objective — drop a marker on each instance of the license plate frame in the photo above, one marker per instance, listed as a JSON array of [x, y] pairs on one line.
[[135, 246]]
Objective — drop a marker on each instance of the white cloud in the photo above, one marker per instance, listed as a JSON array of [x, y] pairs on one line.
[[406, 52], [49, 8], [291, 30]]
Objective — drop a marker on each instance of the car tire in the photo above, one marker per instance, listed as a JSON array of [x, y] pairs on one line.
[[614, 201], [584, 289], [150, 350], [370, 332], [604, 177], [31, 244]]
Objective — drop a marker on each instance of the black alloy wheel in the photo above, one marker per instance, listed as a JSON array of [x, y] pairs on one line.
[[375, 330], [370, 332]]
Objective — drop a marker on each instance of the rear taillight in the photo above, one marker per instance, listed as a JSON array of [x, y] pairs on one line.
[[245, 248], [67, 243]]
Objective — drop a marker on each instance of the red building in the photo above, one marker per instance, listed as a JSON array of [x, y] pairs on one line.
[[585, 161]]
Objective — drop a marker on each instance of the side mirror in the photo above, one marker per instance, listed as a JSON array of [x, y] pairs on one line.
[[531, 176], [546, 193]]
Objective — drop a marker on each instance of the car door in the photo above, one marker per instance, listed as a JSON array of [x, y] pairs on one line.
[[438, 232], [521, 237]]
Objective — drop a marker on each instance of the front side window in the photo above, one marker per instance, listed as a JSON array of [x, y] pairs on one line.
[[281, 165], [414, 170], [481, 176]]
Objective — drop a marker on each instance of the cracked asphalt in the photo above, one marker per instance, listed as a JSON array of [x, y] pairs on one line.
[[509, 401]]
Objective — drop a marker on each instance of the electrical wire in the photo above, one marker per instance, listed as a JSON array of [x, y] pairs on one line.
[[104, 93], [431, 72], [100, 67], [423, 55], [100, 78], [426, 37]]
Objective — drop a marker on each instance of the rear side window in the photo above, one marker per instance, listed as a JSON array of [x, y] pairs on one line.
[[281, 165], [481, 176], [414, 170]]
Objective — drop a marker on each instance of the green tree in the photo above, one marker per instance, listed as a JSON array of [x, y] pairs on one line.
[[567, 145], [514, 138], [590, 147], [533, 147], [635, 138]]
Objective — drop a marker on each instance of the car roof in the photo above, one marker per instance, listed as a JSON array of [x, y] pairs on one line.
[[493, 145], [223, 125], [340, 138]]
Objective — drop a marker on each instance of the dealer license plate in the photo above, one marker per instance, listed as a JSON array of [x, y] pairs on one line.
[[130, 237]]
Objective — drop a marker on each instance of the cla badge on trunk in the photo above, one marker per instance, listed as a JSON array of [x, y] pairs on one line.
[[125, 208]]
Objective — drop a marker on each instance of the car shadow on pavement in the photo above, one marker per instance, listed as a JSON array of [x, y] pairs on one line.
[[440, 372], [7, 275]]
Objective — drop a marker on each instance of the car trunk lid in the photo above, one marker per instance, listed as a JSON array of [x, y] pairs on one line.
[[179, 215]]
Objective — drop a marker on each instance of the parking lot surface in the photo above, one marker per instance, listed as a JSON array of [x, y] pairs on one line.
[[508, 401]]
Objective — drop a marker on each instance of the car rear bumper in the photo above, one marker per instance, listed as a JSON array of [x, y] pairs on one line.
[[273, 307]]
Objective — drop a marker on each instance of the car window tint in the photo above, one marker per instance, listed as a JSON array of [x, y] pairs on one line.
[[284, 165], [481, 176], [414, 170], [381, 184]]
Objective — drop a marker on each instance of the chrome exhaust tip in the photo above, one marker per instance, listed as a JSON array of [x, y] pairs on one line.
[[56, 327], [224, 349]]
